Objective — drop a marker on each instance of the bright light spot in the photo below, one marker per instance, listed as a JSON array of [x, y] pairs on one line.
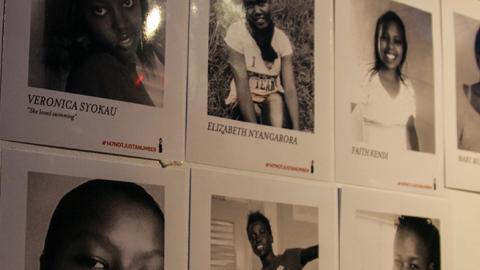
[[194, 8], [154, 19]]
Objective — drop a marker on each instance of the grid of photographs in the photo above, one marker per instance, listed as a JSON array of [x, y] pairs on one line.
[[64, 212], [237, 227], [461, 66], [408, 232], [261, 85], [388, 114], [103, 76], [279, 93]]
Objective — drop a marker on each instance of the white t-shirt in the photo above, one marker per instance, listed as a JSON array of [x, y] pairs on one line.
[[263, 78], [385, 118]]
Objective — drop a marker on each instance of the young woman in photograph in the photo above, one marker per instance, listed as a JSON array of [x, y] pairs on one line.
[[468, 107], [386, 114], [103, 47], [261, 239], [416, 245], [105, 224], [260, 55]]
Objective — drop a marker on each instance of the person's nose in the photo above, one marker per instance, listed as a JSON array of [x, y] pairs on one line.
[[257, 9], [119, 20], [389, 44]]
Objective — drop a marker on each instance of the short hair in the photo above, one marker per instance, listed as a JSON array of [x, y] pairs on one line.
[[77, 204], [257, 216], [428, 234], [477, 47], [384, 20]]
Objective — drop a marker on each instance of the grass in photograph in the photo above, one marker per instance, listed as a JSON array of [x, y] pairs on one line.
[[296, 19]]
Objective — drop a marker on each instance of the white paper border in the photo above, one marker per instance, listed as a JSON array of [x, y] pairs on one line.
[[213, 148], [273, 189], [403, 170], [459, 174], [134, 124], [387, 202], [13, 199]]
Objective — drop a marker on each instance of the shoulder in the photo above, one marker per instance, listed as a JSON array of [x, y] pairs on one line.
[[281, 42], [97, 64], [97, 75], [237, 26], [292, 254], [408, 88], [236, 35], [370, 84]]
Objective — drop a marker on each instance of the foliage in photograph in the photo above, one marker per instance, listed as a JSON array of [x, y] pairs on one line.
[[296, 19]]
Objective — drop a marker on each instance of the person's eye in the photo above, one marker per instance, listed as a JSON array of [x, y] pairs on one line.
[[127, 3], [398, 40], [413, 266], [99, 11], [90, 262]]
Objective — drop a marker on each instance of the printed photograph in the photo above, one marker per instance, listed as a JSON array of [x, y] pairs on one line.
[[113, 49], [467, 55], [397, 241], [77, 223], [261, 62], [393, 104], [249, 234]]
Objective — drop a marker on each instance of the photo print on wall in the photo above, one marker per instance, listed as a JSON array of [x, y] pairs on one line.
[[255, 84], [284, 223], [60, 211], [386, 112], [81, 74], [461, 68]]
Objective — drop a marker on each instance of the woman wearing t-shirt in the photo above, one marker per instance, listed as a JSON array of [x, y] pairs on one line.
[[260, 55]]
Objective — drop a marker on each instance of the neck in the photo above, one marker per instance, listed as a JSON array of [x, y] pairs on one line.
[[389, 75], [390, 82], [267, 259]]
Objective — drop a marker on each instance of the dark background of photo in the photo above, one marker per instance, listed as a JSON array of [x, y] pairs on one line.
[[43, 194], [418, 66], [38, 74], [296, 19]]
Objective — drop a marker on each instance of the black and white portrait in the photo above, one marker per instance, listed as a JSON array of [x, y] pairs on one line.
[[392, 89], [78, 223], [248, 234], [112, 49], [260, 62], [397, 241], [467, 55]]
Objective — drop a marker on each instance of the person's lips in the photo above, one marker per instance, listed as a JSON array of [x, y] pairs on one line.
[[125, 41]]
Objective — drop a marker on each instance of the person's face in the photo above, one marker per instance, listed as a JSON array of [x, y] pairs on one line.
[[258, 13], [122, 236], [114, 24], [410, 253], [260, 239], [391, 46]]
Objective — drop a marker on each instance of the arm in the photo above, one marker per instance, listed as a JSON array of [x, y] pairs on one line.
[[237, 63], [412, 134], [291, 97], [308, 254]]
